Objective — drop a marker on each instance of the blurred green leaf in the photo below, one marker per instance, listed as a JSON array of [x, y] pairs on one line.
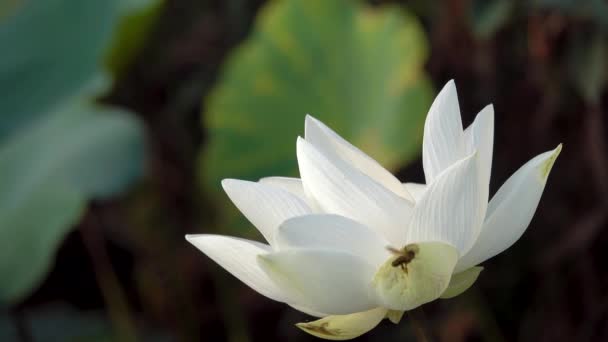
[[53, 47], [587, 61], [50, 49], [57, 149], [132, 32], [7, 7], [59, 323], [358, 69], [32, 229], [487, 17], [47, 172]]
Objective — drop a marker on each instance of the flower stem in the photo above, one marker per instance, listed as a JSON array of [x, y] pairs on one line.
[[21, 326], [111, 290], [418, 322]]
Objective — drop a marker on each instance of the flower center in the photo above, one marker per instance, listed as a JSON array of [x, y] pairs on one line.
[[414, 275], [403, 256]]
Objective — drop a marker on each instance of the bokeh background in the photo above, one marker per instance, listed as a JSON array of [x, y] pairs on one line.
[[118, 119]]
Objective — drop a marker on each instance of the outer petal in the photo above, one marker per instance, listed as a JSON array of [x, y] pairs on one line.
[[416, 190], [443, 142], [344, 327], [450, 209], [341, 189], [332, 232], [239, 257], [322, 280], [308, 311], [334, 146], [511, 209], [461, 282], [395, 316], [264, 205], [292, 185]]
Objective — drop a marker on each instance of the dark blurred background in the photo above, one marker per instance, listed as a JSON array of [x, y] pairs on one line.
[[96, 202]]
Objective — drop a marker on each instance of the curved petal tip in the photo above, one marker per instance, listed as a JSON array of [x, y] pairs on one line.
[[547, 165], [344, 327]]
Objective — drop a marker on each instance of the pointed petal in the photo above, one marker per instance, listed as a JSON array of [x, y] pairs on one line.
[[395, 316], [511, 209], [480, 137], [295, 187], [461, 282], [421, 280], [344, 327], [415, 189], [443, 142], [239, 257], [449, 211], [323, 280], [334, 146], [332, 232], [265, 206], [292, 185], [341, 189]]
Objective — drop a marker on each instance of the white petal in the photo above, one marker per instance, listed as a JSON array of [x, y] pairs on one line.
[[480, 137], [461, 282], [292, 185], [323, 280], [416, 190], [443, 142], [334, 146], [511, 209], [295, 187], [308, 311], [332, 232], [265, 206], [449, 210], [341, 189], [344, 327], [239, 257]]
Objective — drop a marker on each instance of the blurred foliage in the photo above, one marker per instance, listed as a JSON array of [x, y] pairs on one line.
[[593, 10], [358, 69], [132, 32], [52, 49], [48, 172], [587, 58], [489, 16], [57, 148], [58, 323]]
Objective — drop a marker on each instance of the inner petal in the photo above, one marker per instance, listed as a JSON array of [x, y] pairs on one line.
[[414, 275]]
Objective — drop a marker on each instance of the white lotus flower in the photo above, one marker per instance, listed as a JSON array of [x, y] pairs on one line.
[[353, 245]]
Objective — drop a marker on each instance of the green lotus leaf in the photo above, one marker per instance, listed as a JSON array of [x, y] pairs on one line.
[[47, 173], [357, 68]]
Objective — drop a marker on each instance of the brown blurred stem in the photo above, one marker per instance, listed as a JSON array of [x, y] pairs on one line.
[[594, 127], [21, 328], [418, 322], [112, 292]]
